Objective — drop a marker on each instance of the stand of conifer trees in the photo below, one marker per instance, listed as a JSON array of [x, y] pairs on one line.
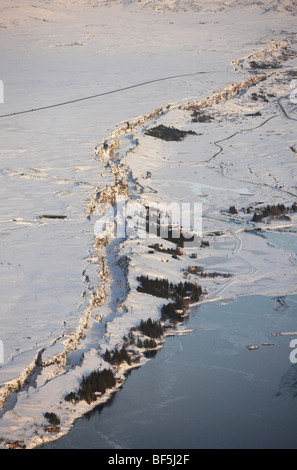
[[165, 289], [96, 382]]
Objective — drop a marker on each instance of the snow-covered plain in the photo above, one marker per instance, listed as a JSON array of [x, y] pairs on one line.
[[64, 297]]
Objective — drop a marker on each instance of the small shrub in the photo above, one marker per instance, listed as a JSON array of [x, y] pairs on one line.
[[198, 116], [53, 418], [232, 210], [71, 397], [257, 217], [161, 249]]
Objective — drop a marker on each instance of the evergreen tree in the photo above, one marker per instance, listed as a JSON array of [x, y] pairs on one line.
[[107, 356]]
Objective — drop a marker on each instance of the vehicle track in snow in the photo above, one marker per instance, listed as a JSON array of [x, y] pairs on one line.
[[221, 149]]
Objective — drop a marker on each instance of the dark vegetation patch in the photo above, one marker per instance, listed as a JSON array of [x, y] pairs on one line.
[[216, 233], [292, 73], [254, 114], [198, 116], [232, 210], [151, 328], [169, 251], [182, 294], [168, 133], [274, 64], [72, 397], [146, 343], [117, 357], [278, 211], [171, 311], [271, 62], [47, 216], [96, 382], [199, 271], [156, 287], [52, 418], [260, 96], [167, 290]]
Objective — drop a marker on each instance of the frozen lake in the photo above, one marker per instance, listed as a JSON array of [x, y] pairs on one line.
[[207, 389]]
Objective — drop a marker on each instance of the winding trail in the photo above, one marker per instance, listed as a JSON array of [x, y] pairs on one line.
[[217, 142], [283, 109], [238, 246]]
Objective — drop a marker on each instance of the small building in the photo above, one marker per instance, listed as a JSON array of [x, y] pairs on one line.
[[186, 302]]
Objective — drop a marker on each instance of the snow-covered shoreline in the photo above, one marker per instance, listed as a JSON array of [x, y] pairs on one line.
[[138, 167]]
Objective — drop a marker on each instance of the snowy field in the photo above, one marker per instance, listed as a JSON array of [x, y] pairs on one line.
[[114, 70]]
